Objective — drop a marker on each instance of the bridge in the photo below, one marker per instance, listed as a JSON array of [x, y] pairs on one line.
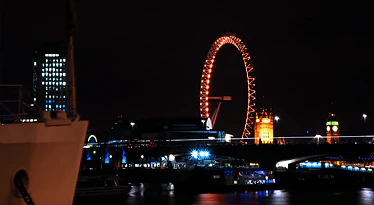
[[266, 155]]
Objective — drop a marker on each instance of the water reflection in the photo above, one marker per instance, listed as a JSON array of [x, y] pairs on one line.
[[267, 197], [367, 196]]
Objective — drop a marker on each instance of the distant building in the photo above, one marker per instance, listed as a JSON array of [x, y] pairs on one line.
[[332, 128], [264, 127], [50, 80], [160, 131], [120, 123]]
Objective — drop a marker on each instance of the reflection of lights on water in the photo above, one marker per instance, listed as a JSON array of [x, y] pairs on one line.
[[367, 196], [277, 192], [170, 187]]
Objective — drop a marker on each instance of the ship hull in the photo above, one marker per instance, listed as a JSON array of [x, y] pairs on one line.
[[50, 155]]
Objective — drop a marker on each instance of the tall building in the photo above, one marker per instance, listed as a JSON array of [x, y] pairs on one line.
[[50, 80], [332, 128], [264, 127]]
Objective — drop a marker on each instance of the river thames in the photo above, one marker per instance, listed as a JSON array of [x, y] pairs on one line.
[[364, 196]]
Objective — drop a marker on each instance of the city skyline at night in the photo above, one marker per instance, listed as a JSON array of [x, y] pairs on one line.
[[146, 63]]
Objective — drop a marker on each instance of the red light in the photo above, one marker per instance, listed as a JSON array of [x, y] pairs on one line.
[[120, 116]]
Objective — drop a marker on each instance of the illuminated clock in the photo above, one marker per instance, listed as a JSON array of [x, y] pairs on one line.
[[334, 128], [328, 128]]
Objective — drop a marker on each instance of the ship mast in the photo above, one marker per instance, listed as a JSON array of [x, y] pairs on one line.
[[72, 28], [1, 55], [1, 38]]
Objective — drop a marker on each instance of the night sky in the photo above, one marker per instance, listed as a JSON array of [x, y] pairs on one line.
[[145, 60]]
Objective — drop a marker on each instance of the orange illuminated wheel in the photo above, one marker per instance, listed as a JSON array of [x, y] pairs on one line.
[[208, 69]]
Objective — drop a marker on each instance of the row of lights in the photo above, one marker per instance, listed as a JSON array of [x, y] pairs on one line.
[[202, 154], [170, 158]]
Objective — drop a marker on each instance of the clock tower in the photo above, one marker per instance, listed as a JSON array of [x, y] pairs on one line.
[[332, 128]]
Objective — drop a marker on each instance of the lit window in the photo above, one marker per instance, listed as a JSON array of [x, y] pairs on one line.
[[63, 83]]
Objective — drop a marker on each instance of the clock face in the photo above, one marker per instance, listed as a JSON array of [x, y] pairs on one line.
[[334, 128], [328, 128]]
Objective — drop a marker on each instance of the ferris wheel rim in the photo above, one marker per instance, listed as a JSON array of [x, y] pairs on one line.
[[229, 38]]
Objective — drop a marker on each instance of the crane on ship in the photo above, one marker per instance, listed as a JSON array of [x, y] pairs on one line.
[[218, 99]]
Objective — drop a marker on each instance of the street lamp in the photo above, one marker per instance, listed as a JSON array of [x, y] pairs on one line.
[[364, 116], [203, 121], [276, 118]]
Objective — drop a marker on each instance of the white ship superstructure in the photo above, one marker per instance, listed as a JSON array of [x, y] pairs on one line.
[[48, 152]]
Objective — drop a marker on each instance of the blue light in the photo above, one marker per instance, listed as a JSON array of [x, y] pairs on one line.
[[200, 154], [106, 160], [124, 157], [194, 154], [88, 156], [309, 165], [307, 131]]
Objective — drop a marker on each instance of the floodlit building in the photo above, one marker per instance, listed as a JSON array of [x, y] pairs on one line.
[[50, 80], [332, 128], [264, 127]]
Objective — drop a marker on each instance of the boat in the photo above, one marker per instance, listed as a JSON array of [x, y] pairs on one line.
[[41, 157], [41, 160], [105, 185]]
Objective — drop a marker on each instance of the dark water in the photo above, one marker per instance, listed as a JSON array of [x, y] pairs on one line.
[[270, 197]]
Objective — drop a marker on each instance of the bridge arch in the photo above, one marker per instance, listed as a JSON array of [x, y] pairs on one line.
[[92, 137]]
